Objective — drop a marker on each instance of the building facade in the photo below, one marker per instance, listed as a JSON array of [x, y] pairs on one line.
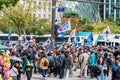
[[107, 10], [45, 10], [86, 10]]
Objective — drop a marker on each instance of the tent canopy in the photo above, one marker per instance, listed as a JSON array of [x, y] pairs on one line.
[[2, 47], [84, 33]]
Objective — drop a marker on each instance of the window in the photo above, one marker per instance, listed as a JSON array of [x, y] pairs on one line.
[[49, 16], [34, 4], [39, 3], [44, 16], [44, 5], [49, 6], [33, 15], [39, 16]]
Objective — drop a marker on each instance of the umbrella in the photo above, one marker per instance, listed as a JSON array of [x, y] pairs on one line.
[[14, 58], [2, 47]]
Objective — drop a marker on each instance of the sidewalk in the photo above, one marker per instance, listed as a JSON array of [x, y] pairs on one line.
[[34, 77]]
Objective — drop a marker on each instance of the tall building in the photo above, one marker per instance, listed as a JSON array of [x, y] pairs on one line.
[[107, 10], [86, 10], [46, 9]]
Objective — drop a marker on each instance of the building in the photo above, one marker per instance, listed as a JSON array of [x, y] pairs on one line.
[[107, 10], [46, 8], [86, 10]]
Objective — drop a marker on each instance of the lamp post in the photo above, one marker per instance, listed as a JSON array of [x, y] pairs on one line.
[[53, 22]]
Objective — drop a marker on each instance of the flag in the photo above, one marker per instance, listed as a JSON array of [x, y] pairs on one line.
[[63, 34], [98, 38], [9, 34], [48, 41], [57, 20], [90, 38], [24, 38], [65, 27], [72, 34], [106, 31], [76, 40]]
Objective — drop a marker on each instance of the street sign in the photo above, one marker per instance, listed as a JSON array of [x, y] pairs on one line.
[[61, 9]]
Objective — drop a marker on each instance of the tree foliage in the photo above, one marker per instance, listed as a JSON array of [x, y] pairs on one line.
[[87, 28], [71, 15], [7, 3], [20, 15]]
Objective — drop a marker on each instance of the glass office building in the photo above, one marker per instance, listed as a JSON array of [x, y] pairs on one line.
[[87, 10], [107, 10]]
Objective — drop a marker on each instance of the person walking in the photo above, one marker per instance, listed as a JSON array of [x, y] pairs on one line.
[[67, 64], [116, 69], [83, 60], [103, 68], [44, 63], [13, 72], [29, 68], [92, 63]]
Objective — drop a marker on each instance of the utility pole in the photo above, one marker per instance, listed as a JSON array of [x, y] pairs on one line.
[[53, 22]]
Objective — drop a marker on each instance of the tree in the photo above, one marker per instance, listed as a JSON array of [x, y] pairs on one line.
[[40, 27], [87, 28], [71, 15], [84, 20], [7, 3], [20, 15], [117, 22]]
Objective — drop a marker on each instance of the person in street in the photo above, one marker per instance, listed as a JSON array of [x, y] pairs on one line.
[[83, 60], [116, 69], [29, 68], [92, 63], [103, 67], [61, 59], [44, 63], [19, 68], [13, 72], [67, 63]]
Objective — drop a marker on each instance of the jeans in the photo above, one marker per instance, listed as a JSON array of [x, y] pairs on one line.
[[29, 75], [43, 73], [102, 76], [61, 72]]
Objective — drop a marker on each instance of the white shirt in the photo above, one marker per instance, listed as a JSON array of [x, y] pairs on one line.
[[13, 71]]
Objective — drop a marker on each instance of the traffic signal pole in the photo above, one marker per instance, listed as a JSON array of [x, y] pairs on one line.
[[53, 22]]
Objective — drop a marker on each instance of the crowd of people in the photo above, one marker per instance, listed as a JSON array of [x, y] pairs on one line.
[[95, 61]]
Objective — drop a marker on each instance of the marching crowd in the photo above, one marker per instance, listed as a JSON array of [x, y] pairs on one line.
[[95, 61]]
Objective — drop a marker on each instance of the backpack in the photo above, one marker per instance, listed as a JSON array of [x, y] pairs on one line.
[[46, 63]]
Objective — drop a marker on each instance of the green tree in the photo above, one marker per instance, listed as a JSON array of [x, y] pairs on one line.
[[84, 21], [40, 27], [71, 15], [20, 15], [87, 28], [7, 3], [117, 22]]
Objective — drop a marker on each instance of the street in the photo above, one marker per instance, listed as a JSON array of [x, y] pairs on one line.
[[74, 77]]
